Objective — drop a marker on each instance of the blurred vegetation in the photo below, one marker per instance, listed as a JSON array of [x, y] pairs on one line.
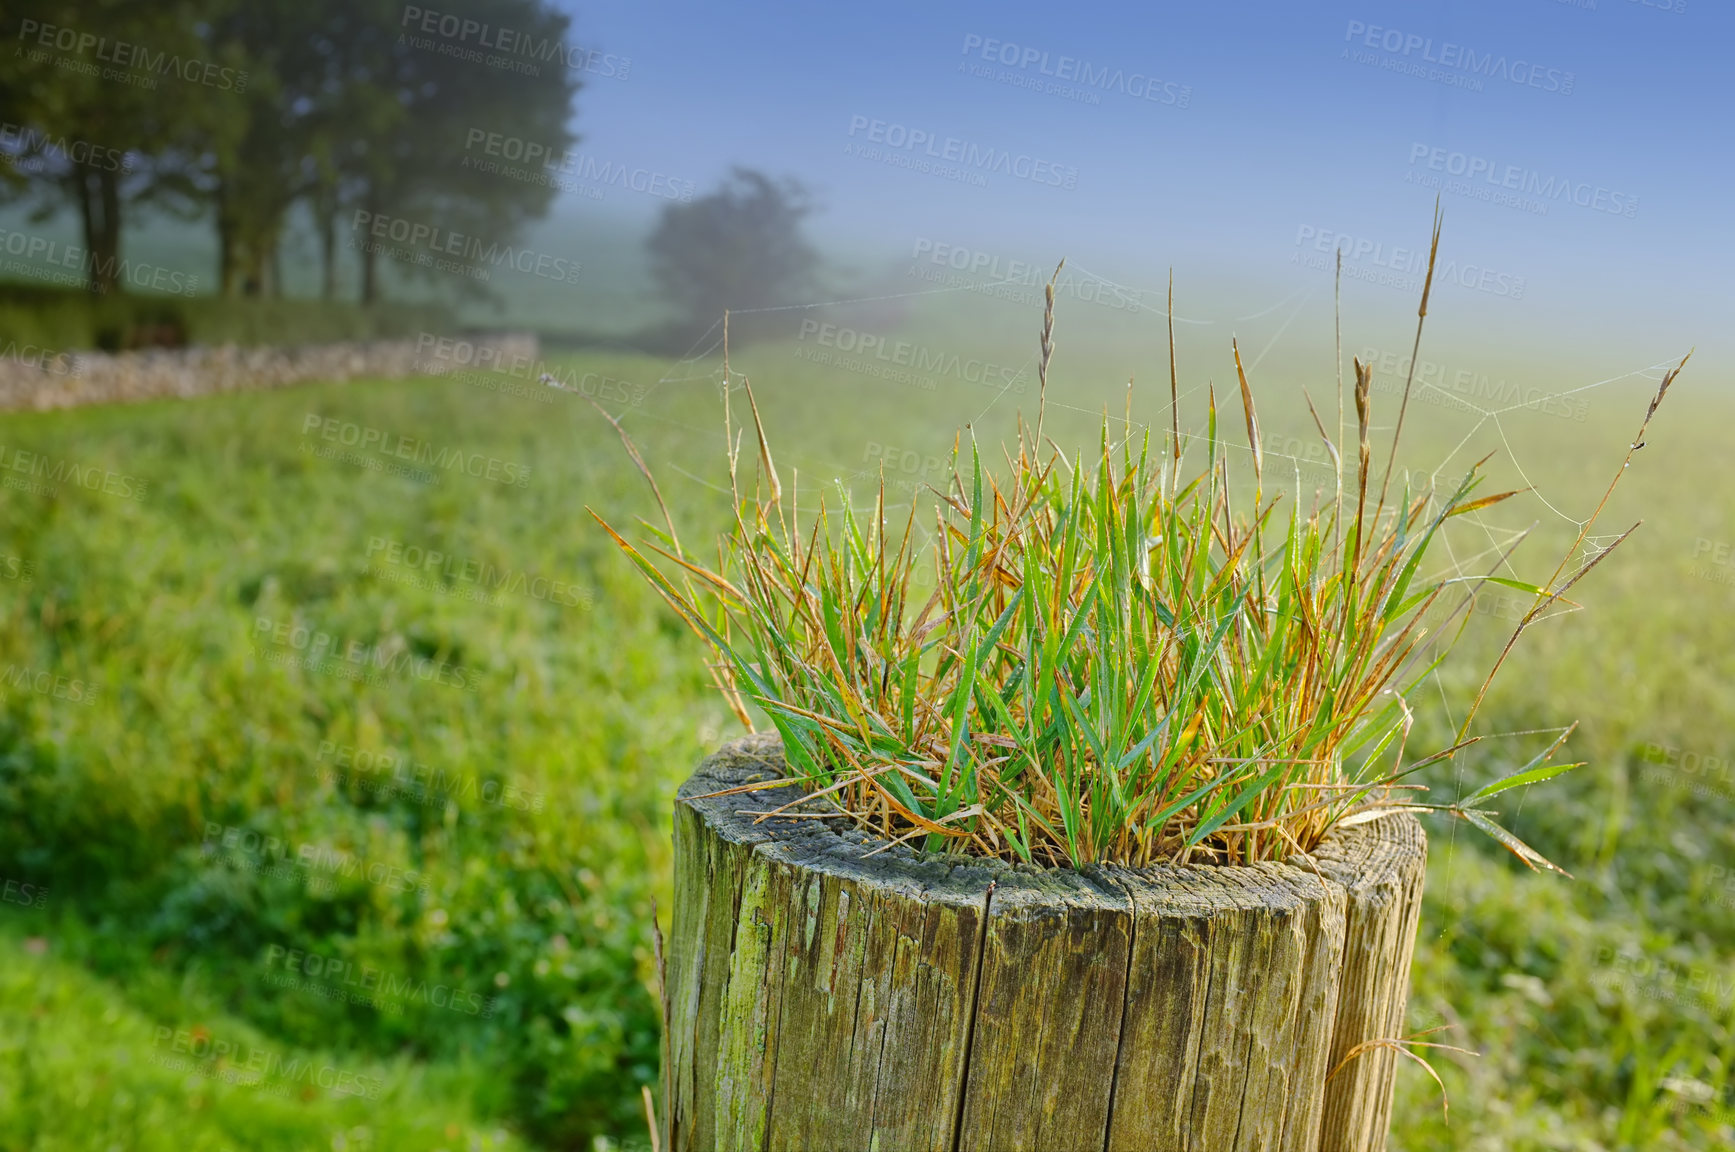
[[68, 320], [542, 908], [90, 1069]]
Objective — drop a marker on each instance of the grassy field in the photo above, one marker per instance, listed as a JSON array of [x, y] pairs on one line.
[[334, 756]]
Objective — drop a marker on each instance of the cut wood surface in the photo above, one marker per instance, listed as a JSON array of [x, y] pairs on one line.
[[823, 998]]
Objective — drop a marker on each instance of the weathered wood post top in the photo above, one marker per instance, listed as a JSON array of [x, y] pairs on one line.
[[823, 998]]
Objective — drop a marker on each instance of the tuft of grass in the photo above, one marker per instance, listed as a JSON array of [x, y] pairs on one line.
[[1124, 656]]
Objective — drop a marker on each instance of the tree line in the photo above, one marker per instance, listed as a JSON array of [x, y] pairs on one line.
[[239, 112]]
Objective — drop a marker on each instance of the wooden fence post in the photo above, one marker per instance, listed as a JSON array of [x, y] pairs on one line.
[[824, 998]]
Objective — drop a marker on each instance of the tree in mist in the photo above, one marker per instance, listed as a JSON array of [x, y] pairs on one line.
[[738, 248], [73, 140], [348, 116], [401, 144]]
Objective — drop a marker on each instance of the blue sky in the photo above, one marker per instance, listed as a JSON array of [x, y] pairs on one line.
[[1300, 122]]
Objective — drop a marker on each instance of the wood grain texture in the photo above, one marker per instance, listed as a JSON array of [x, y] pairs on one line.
[[824, 998], [1233, 992], [1048, 1013], [1381, 865]]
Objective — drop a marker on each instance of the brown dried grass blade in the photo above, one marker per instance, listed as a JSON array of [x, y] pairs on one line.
[[1583, 534], [1415, 351], [1330, 447], [1047, 349], [1252, 416], [1486, 502], [1174, 383], [764, 446], [639, 463], [1402, 1047], [1363, 382]]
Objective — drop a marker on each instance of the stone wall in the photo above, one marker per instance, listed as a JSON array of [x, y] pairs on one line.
[[39, 380]]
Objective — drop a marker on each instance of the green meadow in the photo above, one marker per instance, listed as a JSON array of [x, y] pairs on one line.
[[336, 760]]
